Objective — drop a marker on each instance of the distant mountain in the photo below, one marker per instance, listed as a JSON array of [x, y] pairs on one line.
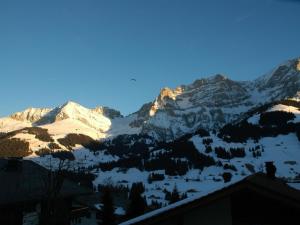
[[70, 116]]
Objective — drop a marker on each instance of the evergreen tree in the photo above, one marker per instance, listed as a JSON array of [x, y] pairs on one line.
[[108, 210], [227, 177], [137, 204], [175, 197], [184, 196], [298, 131], [167, 195], [270, 169]]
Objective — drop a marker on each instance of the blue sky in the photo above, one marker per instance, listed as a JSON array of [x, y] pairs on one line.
[[87, 51]]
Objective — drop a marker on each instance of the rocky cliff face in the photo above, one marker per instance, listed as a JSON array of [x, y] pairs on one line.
[[212, 102], [282, 82], [108, 112], [30, 115]]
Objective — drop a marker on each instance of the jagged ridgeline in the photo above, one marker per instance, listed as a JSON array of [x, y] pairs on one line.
[[208, 103]]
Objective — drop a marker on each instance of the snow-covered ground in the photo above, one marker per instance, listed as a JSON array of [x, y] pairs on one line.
[[279, 107], [59, 129], [283, 150], [8, 124]]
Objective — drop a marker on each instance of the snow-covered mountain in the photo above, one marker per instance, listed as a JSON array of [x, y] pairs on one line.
[[212, 102], [191, 134], [207, 103], [68, 118]]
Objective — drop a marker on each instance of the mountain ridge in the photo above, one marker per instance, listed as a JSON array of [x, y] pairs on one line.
[[207, 103]]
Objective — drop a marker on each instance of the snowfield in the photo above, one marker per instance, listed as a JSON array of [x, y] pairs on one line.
[[280, 107], [284, 150]]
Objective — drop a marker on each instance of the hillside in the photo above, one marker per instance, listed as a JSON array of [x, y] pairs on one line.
[[207, 159], [201, 160]]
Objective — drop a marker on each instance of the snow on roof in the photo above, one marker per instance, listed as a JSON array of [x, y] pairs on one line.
[[118, 210], [258, 178], [295, 185], [177, 204]]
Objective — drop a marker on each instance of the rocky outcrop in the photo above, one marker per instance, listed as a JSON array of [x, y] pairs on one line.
[[108, 112], [31, 115]]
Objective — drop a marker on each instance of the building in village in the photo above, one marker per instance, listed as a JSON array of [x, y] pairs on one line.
[[259, 199], [93, 202], [25, 192]]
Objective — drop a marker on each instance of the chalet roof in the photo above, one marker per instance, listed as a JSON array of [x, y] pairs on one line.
[[259, 182], [28, 182]]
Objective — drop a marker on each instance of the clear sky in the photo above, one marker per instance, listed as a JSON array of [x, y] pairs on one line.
[[88, 50]]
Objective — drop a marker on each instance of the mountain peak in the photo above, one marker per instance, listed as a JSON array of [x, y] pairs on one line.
[[71, 104], [292, 65], [285, 78], [170, 93], [219, 77], [70, 107]]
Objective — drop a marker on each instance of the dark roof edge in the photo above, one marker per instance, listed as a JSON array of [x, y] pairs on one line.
[[222, 193]]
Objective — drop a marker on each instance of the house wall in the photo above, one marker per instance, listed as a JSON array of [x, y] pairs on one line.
[[11, 216], [216, 213], [87, 220], [249, 208], [213, 214], [61, 212], [20, 214]]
